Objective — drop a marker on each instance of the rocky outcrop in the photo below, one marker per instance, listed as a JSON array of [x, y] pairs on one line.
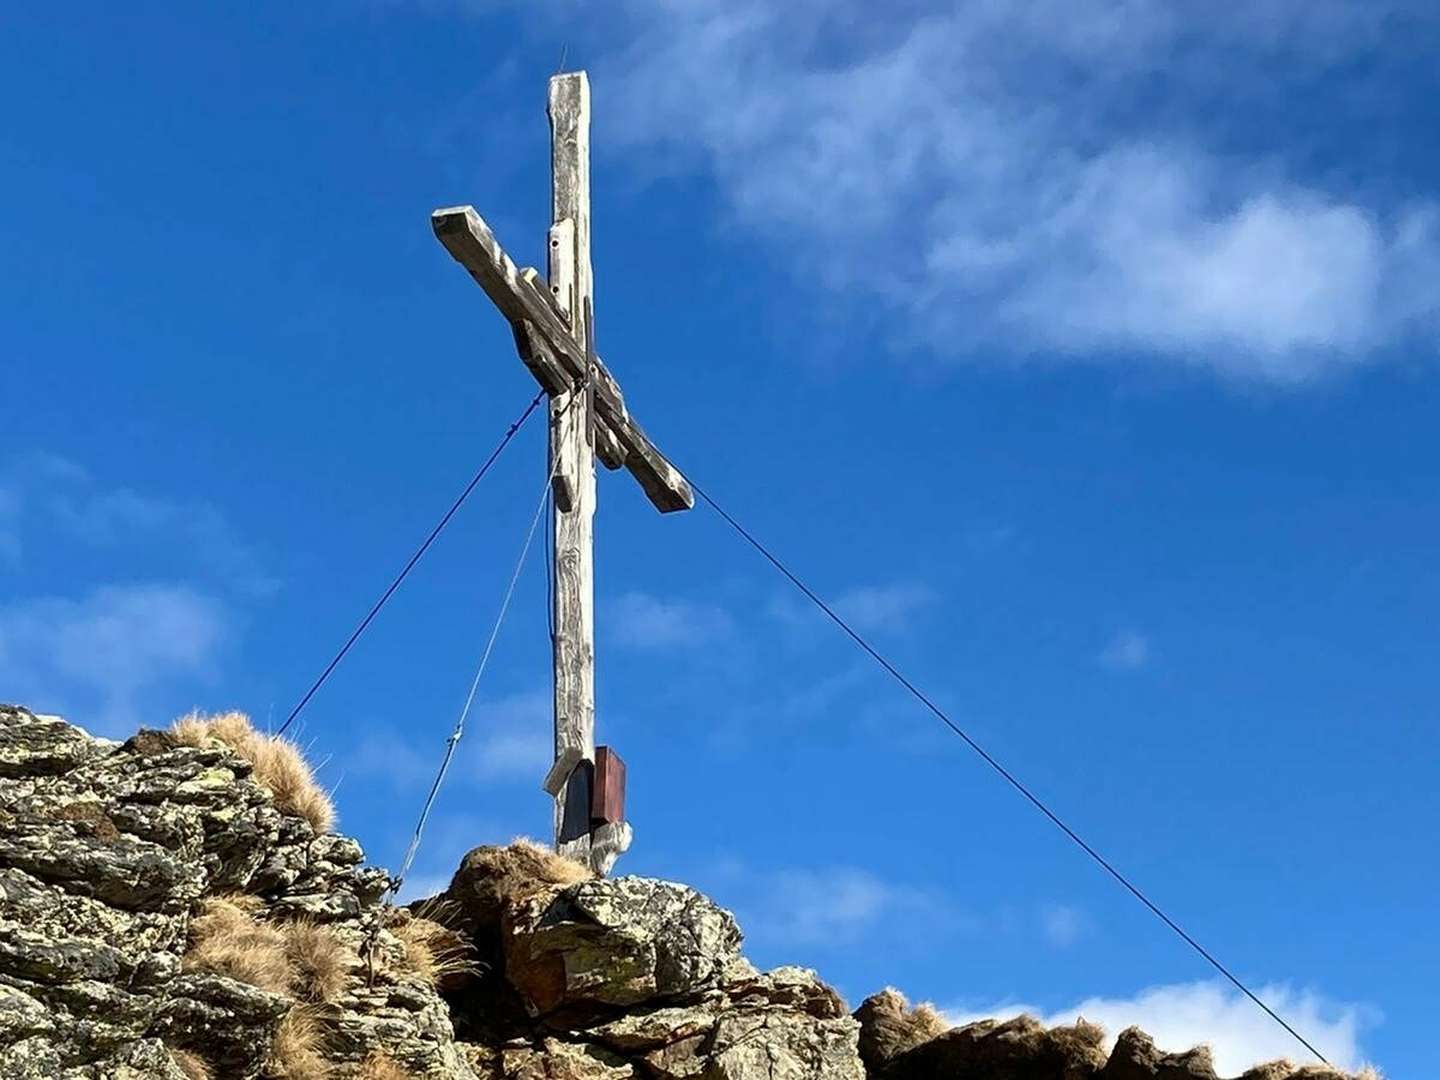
[[1022, 1048], [174, 907], [628, 977], [107, 853]]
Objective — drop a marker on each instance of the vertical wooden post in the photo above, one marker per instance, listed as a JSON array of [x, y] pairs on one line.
[[573, 457]]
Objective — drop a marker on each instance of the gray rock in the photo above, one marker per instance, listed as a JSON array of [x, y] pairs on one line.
[[106, 851], [617, 942]]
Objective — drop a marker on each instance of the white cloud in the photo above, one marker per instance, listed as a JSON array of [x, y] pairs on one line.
[[1239, 1034], [100, 656], [1004, 174], [1126, 651], [1063, 925], [883, 607], [383, 754], [642, 621], [512, 738], [800, 906], [53, 496]]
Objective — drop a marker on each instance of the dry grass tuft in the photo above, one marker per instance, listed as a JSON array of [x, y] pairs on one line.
[[227, 939], [889, 1026], [319, 959], [546, 865], [433, 952], [298, 957], [295, 1052], [191, 1064], [380, 1067], [1280, 1069], [278, 763], [191, 730], [490, 879], [1080, 1041]]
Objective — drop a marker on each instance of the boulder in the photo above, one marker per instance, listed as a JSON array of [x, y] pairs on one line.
[[1136, 1057], [1018, 1049], [889, 1027], [617, 942]]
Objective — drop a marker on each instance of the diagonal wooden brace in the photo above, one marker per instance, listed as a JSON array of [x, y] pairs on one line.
[[556, 359]]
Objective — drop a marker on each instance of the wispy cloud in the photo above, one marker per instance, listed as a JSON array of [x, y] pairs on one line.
[[512, 738], [383, 754], [100, 655], [883, 607], [1183, 1015], [830, 906], [43, 494], [1128, 650], [1063, 925], [509, 738], [1058, 208], [642, 621]]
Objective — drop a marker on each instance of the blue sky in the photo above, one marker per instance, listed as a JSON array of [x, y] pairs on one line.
[[1082, 354]]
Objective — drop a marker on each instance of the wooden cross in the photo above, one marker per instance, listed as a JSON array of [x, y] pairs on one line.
[[554, 334]]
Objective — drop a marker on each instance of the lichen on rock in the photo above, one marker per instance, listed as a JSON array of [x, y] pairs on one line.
[[174, 907], [112, 857]]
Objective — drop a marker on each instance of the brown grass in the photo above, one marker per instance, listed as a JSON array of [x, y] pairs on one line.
[[190, 730], [1080, 1041], [491, 878], [546, 865], [432, 952], [889, 1026], [191, 1064], [319, 960], [279, 766], [296, 957], [380, 1067], [227, 939], [295, 1052], [1281, 1069]]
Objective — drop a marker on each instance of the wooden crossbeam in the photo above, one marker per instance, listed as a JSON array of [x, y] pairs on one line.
[[553, 355]]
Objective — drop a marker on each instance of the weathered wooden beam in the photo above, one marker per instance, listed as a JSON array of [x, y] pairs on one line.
[[565, 763], [540, 359], [521, 298], [572, 449], [608, 448]]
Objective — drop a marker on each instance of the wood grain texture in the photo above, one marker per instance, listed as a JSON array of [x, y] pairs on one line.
[[540, 359], [560, 771], [571, 421], [472, 244], [608, 448]]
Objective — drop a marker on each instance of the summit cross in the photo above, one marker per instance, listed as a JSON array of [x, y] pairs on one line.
[[553, 322]]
